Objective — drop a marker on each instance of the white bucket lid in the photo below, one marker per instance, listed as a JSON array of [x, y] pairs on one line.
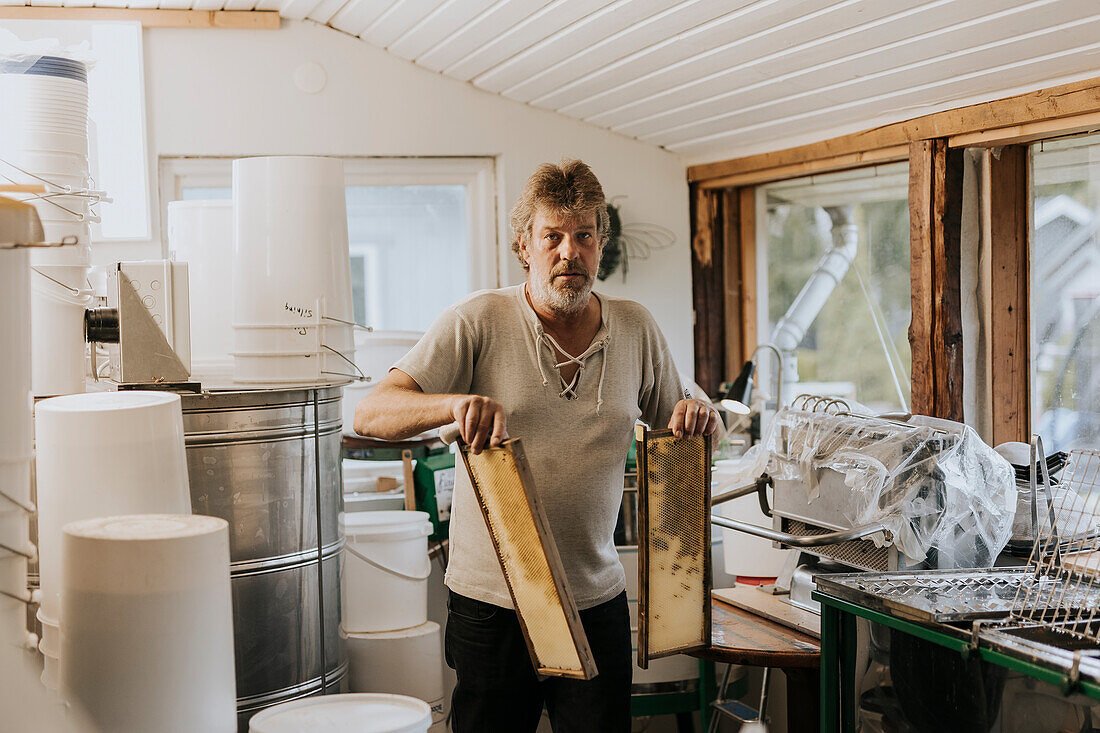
[[363, 712], [392, 525], [424, 629]]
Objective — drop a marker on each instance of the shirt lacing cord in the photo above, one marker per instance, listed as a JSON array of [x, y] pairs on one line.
[[570, 390]]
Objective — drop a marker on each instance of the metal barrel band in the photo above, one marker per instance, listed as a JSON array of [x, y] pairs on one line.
[[386, 569]]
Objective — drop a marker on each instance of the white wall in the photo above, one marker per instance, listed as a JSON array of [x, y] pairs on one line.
[[230, 93]]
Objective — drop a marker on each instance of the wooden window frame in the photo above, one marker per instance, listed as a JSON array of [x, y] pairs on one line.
[[724, 247]]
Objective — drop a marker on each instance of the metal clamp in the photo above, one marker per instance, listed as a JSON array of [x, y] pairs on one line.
[[1071, 680], [794, 540]]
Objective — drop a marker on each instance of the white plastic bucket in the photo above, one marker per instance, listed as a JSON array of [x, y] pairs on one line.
[[407, 662], [375, 353], [13, 572], [101, 454], [291, 262], [384, 583], [59, 297], [50, 643], [200, 233], [349, 713], [51, 673], [363, 476], [16, 440], [147, 623]]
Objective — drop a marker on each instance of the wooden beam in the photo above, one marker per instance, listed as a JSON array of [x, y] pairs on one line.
[[1009, 338], [747, 245], [1029, 132], [708, 288], [256, 20], [1066, 100], [826, 165], [935, 332]]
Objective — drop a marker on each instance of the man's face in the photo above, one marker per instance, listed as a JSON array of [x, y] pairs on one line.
[[563, 254]]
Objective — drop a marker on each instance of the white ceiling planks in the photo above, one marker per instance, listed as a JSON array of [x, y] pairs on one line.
[[544, 60], [399, 17], [865, 51], [711, 79], [959, 68], [524, 34]]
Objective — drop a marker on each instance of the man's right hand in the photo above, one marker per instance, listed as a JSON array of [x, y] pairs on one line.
[[479, 419]]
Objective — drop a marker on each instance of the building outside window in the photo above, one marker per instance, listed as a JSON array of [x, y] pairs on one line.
[[1065, 293]]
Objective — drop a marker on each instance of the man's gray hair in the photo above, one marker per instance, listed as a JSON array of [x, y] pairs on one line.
[[569, 188]]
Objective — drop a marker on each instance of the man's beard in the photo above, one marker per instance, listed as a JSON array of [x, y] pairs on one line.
[[563, 296]]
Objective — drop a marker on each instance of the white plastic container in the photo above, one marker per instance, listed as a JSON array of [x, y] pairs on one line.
[[16, 440], [747, 555], [51, 673], [200, 233], [59, 297], [291, 268], [147, 623], [102, 454], [384, 583], [50, 642], [407, 662], [350, 713], [363, 476], [375, 353]]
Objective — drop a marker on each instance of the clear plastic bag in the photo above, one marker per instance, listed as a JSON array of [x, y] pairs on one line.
[[934, 485]]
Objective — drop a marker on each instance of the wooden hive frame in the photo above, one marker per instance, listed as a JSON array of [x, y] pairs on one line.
[[532, 566], [655, 596]]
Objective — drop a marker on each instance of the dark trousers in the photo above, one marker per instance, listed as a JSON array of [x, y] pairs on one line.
[[498, 689]]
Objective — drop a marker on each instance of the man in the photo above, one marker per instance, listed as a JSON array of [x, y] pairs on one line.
[[570, 372]]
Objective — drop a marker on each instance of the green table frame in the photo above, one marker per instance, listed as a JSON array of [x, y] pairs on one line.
[[838, 655]]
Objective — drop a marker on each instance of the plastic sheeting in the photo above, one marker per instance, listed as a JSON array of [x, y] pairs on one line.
[[946, 497]]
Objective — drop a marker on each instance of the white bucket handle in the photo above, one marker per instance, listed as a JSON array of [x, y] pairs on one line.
[[385, 569]]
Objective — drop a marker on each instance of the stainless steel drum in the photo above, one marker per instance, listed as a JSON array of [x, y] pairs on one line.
[[260, 459]]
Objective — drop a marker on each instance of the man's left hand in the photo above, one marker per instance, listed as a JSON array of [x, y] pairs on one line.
[[693, 417]]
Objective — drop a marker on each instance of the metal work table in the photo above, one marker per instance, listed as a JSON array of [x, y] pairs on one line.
[[742, 637], [838, 654]]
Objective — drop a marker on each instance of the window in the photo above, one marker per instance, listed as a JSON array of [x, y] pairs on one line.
[[420, 230], [1065, 293], [116, 116], [833, 284]]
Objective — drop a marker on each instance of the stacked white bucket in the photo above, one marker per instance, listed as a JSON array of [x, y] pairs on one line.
[[147, 623], [200, 233], [16, 444], [44, 142], [392, 647], [292, 306], [101, 454]]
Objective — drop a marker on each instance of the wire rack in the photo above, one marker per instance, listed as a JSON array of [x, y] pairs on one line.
[[1065, 557]]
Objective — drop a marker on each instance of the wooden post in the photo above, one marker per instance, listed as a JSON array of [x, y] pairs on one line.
[[1010, 330], [935, 332], [747, 250], [708, 288], [735, 287]]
